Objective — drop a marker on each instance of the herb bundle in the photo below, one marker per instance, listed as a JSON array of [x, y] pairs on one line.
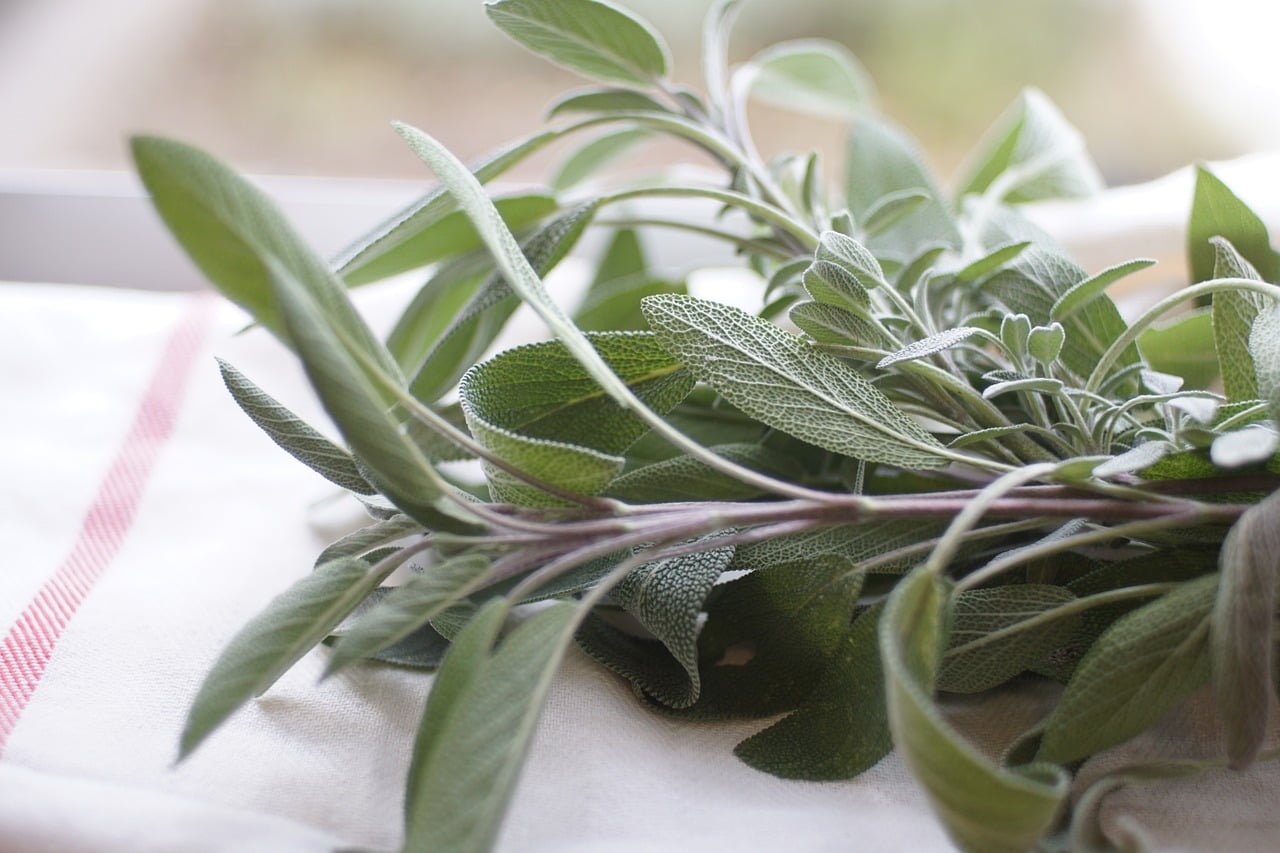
[[937, 460]]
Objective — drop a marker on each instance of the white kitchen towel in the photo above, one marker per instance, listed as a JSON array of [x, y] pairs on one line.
[[145, 519]]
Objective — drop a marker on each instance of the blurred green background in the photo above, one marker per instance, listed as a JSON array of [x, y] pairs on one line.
[[309, 86]]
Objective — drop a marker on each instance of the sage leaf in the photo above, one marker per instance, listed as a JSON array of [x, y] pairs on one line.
[[407, 608], [1136, 672], [880, 160], [1183, 347], [592, 37], [852, 257], [1218, 212], [477, 726], [1233, 316], [472, 329], [842, 728], [1135, 459], [830, 324], [612, 301], [1248, 446], [809, 76], [293, 435], [274, 640], [665, 597], [1032, 154], [984, 807], [992, 261], [980, 612], [391, 462], [1241, 629], [537, 408], [777, 379], [238, 239], [605, 100], [687, 478], [1039, 385], [596, 155], [428, 315], [928, 346], [892, 209], [1091, 288], [1264, 347], [392, 247], [853, 542], [372, 536]]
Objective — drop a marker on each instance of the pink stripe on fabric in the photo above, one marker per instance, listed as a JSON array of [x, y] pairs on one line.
[[27, 647]]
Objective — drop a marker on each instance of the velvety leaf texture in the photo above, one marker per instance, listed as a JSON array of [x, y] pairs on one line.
[[776, 378]]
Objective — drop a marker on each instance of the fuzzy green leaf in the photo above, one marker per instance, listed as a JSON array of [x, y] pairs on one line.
[[293, 435], [991, 261], [1032, 154], [605, 100], [1091, 288], [612, 301], [1264, 347], [1218, 212], [928, 346], [830, 324], [376, 535], [477, 726], [592, 37], [471, 329], [1241, 629], [595, 155], [1183, 347], [1140, 669], [1233, 316], [776, 378], [537, 408], [407, 608], [687, 478], [984, 807], [983, 611], [842, 728], [274, 640], [810, 76]]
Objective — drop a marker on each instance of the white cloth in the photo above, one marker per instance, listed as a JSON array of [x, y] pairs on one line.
[[220, 525]]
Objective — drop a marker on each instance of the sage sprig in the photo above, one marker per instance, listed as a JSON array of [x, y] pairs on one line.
[[936, 460]]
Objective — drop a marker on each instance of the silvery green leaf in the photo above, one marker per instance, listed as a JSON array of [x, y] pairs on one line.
[[1183, 347], [612, 300], [831, 284], [472, 328], [1234, 313], [375, 535], [776, 378], [928, 346], [294, 622], [1161, 383], [1241, 629], [686, 478], [1032, 154], [293, 435], [810, 76], [882, 160], [1014, 330], [406, 608], [892, 209], [855, 543], [428, 315], [480, 717], [1136, 672], [917, 267], [1033, 385], [604, 100], [992, 261], [1136, 459], [389, 460], [830, 324], [595, 155], [1200, 409], [1264, 346], [1218, 212], [665, 597], [423, 240], [979, 612], [1091, 288], [983, 806], [592, 37], [852, 256], [1248, 446], [1044, 343], [842, 728], [1034, 281], [239, 239], [537, 408], [392, 248]]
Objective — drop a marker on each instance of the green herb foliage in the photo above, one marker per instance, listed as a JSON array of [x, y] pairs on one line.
[[935, 460]]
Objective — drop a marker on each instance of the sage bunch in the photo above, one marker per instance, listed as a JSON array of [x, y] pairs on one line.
[[936, 460]]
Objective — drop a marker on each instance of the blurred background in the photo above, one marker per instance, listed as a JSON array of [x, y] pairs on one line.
[[308, 86]]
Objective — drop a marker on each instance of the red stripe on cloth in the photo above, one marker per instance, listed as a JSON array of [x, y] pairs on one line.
[[27, 647]]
